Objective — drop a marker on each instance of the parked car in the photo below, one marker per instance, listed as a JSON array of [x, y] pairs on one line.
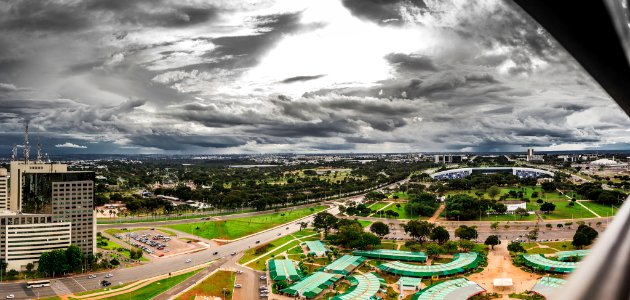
[[215, 253], [109, 275], [238, 285], [92, 276], [105, 283], [10, 296], [233, 253], [188, 260]]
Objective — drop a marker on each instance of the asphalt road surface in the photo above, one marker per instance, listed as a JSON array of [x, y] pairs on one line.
[[81, 283]]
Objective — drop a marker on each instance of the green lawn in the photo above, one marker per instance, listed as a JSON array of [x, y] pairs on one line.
[[239, 227], [564, 211], [365, 223], [532, 248], [527, 193], [156, 288], [401, 195], [111, 245], [276, 248], [378, 205], [601, 209], [212, 286], [262, 249]]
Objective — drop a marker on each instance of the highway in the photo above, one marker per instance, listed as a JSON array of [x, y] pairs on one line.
[[81, 283]]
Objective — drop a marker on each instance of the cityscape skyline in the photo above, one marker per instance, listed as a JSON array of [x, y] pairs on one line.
[[299, 77]]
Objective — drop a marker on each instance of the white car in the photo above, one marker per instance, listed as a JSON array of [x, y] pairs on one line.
[[238, 285], [188, 260], [11, 296], [92, 276], [233, 253], [110, 275]]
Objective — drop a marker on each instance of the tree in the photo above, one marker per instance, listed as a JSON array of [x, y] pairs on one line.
[[492, 240], [379, 228], [303, 225], [450, 247], [464, 207], [352, 236], [30, 267], [13, 273], [114, 262], [493, 191], [324, 221], [440, 234], [533, 234], [74, 257], [500, 208], [466, 232], [433, 250], [548, 186], [494, 225], [548, 207], [521, 212], [419, 230], [584, 236], [466, 245], [516, 247]]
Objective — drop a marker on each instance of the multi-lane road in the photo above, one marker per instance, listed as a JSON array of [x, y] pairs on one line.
[[81, 283]]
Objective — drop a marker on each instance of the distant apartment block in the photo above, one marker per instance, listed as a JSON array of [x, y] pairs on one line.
[[20, 167]]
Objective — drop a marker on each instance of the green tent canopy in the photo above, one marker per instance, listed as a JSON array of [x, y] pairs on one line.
[[461, 262], [539, 261], [392, 254]]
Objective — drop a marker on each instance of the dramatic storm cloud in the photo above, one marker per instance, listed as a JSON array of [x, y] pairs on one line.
[[192, 76]]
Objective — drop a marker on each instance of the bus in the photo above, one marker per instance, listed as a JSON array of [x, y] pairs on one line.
[[38, 283]]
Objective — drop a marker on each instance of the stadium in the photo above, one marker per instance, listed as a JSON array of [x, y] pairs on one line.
[[464, 172]]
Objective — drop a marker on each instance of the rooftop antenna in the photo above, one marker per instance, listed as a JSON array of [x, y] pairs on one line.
[[39, 153], [27, 148], [14, 155]]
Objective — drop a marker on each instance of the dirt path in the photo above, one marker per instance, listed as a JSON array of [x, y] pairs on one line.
[[437, 213], [500, 266]]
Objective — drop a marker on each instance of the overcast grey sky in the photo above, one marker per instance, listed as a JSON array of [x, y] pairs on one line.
[[227, 76]]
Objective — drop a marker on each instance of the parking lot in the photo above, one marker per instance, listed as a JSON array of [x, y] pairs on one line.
[[157, 243]]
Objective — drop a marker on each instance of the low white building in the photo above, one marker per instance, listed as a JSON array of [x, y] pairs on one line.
[[24, 237], [514, 205]]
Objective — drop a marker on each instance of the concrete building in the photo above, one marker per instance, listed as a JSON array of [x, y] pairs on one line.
[[449, 158], [24, 237], [68, 197], [20, 167], [4, 189]]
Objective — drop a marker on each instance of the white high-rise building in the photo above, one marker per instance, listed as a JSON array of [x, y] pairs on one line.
[[4, 189]]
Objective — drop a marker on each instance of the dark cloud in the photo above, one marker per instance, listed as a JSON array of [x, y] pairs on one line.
[[381, 11], [409, 62], [154, 13], [44, 15], [301, 78], [181, 142]]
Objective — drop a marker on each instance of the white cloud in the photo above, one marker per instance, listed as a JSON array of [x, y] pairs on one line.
[[70, 145]]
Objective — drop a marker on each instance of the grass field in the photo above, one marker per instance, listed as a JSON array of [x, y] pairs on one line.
[[600, 209], [401, 195], [212, 286], [378, 205], [506, 217], [527, 193], [111, 245], [262, 249], [156, 288], [275, 248], [239, 227], [533, 248], [365, 223], [563, 210]]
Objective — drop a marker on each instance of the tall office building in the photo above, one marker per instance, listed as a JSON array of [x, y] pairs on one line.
[[4, 189], [20, 167], [68, 197]]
